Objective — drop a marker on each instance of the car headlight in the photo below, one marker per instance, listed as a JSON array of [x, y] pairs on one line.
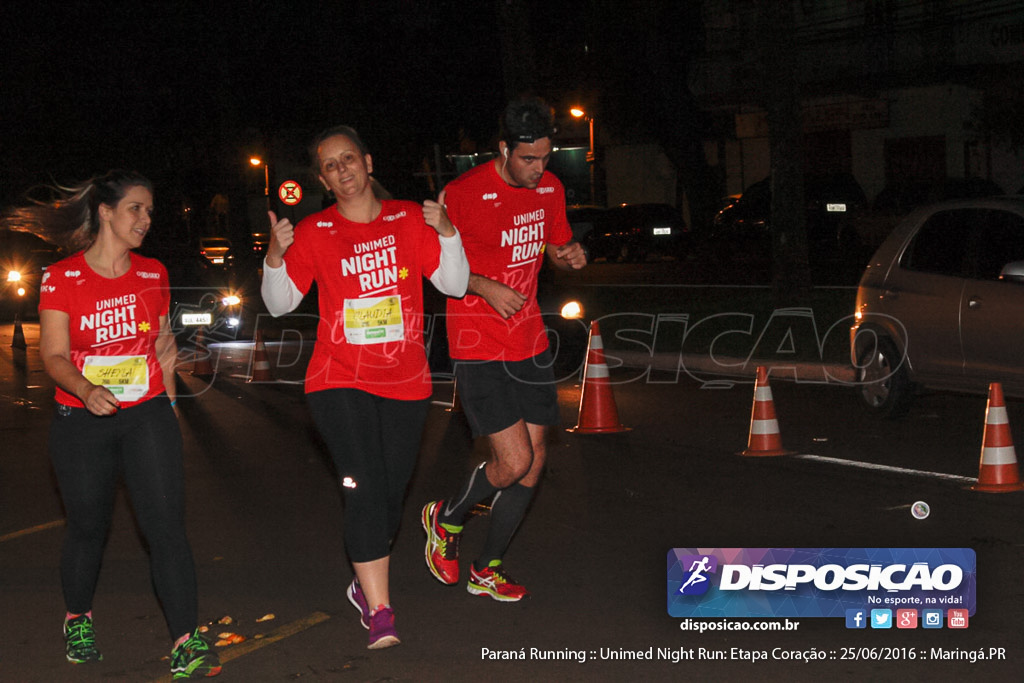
[[572, 310], [231, 300], [13, 276]]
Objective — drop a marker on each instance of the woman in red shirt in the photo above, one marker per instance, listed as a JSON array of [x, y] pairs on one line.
[[368, 384], [106, 342]]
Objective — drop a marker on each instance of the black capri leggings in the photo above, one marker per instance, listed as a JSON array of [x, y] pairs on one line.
[[374, 442], [143, 444]]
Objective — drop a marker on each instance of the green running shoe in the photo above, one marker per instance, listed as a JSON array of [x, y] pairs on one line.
[[80, 640], [194, 658]]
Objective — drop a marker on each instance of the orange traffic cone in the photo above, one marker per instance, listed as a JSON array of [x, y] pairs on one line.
[[765, 438], [260, 363], [598, 414], [998, 471], [201, 364]]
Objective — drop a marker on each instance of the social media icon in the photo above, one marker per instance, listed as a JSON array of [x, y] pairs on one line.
[[856, 618], [881, 618], [931, 618], [906, 618], [958, 618]]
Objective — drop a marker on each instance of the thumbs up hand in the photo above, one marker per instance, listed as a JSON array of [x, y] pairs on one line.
[[282, 235]]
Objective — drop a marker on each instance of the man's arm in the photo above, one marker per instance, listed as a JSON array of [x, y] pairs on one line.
[[569, 256], [502, 298]]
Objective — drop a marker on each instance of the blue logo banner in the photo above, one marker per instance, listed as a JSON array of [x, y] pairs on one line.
[[818, 582]]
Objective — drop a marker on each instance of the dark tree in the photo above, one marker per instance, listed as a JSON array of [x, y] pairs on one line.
[[780, 96]]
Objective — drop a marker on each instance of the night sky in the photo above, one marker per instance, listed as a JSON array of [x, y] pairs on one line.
[[85, 88], [184, 91]]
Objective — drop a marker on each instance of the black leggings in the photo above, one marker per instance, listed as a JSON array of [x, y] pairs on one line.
[[374, 442], [143, 444]]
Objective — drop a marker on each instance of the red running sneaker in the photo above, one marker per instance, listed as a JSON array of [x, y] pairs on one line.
[[442, 551], [495, 582]]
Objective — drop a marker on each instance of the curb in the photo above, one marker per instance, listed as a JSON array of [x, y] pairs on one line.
[[698, 366]]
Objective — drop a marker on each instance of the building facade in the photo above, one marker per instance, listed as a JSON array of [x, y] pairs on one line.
[[894, 92]]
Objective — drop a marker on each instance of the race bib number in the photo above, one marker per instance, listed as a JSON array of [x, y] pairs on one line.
[[127, 377], [374, 320]]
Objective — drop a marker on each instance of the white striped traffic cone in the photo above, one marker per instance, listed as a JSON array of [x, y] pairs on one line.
[[260, 361], [598, 414], [765, 438], [998, 470]]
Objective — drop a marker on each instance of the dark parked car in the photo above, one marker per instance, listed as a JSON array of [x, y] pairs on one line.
[[585, 219], [902, 197], [260, 240], [217, 250], [203, 295], [898, 199], [832, 203], [23, 260], [941, 304], [632, 232]]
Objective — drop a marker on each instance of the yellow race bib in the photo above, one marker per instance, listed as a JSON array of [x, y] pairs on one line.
[[374, 320], [127, 377]]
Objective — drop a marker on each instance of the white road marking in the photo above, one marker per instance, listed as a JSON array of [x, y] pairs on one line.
[[888, 468]]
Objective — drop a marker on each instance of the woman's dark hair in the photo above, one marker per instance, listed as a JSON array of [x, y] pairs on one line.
[[71, 220], [347, 131], [527, 120]]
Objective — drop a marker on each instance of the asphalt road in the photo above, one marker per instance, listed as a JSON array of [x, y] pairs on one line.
[[265, 523]]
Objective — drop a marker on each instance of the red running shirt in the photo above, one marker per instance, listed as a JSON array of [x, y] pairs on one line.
[[370, 282], [113, 324], [505, 231]]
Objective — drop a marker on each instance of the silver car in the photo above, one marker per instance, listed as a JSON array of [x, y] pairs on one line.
[[941, 304]]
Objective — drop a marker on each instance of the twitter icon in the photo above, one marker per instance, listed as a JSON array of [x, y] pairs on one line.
[[881, 618]]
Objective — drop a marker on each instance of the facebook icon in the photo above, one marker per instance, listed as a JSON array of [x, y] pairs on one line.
[[856, 618]]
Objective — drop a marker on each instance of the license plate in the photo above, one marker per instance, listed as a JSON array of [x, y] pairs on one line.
[[218, 259], [662, 231], [835, 208], [197, 318]]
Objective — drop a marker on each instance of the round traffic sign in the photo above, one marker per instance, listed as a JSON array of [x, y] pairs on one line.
[[290, 192]]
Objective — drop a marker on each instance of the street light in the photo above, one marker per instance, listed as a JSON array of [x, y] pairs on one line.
[[256, 161], [580, 113]]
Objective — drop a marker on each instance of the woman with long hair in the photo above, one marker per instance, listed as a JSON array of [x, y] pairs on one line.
[[106, 343]]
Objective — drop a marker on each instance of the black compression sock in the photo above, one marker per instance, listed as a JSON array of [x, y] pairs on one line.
[[507, 511], [476, 489]]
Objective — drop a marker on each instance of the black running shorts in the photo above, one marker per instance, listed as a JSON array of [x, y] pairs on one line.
[[497, 394]]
